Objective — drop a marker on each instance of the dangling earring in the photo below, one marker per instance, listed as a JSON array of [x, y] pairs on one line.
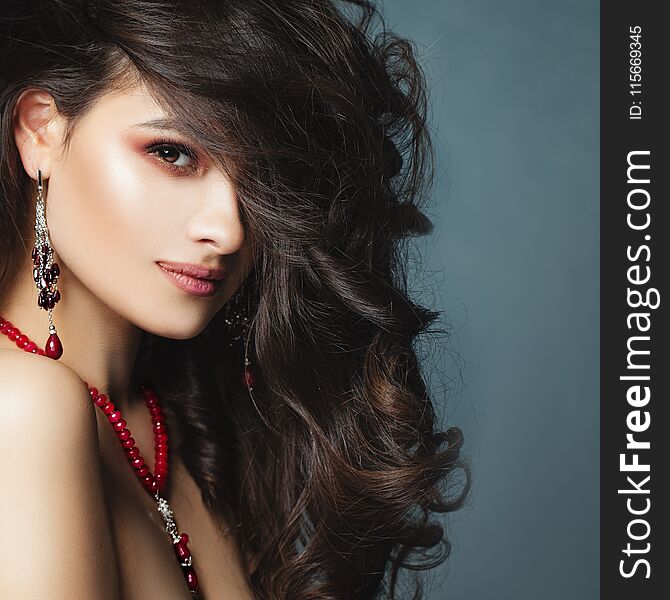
[[236, 317], [45, 273]]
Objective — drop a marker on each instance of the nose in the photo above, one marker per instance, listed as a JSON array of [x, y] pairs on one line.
[[218, 222]]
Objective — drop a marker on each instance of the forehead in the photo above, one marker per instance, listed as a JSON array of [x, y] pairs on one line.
[[131, 106]]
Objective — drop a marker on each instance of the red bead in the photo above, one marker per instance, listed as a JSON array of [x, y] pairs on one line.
[[124, 434], [149, 483], [161, 438], [101, 400], [114, 416], [30, 346], [128, 443], [160, 428], [181, 550], [22, 341], [184, 538], [248, 377], [132, 452], [14, 334], [191, 578], [94, 392], [162, 448], [142, 471], [108, 407], [40, 351], [53, 349], [120, 424], [137, 462]]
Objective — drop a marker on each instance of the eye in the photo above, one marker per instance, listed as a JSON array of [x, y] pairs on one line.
[[168, 152]]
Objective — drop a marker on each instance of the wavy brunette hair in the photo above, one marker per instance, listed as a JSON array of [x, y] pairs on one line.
[[329, 470]]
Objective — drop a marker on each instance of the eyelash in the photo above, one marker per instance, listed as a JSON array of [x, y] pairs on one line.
[[161, 143]]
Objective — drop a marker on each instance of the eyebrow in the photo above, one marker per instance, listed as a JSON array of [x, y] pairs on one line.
[[170, 124], [163, 123]]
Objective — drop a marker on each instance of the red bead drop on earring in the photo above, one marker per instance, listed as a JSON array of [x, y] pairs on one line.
[[53, 348]]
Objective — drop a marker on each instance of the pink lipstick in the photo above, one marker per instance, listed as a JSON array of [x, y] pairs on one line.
[[194, 279]]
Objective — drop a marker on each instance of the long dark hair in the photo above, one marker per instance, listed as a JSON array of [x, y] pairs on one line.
[[332, 468]]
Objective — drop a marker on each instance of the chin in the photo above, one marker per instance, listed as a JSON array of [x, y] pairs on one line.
[[179, 327]]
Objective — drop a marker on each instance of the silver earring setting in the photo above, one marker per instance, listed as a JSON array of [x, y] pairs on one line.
[[236, 318], [46, 272]]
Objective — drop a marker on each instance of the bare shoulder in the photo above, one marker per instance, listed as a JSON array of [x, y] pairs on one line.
[[30, 372], [52, 506]]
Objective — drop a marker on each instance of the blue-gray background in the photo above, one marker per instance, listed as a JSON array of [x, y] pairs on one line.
[[514, 259]]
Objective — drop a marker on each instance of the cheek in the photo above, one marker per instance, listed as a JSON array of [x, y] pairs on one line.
[[98, 207], [109, 219], [104, 221]]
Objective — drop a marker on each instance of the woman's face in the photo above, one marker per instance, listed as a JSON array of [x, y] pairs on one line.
[[127, 195]]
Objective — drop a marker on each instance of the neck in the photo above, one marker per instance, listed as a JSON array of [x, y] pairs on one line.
[[98, 344]]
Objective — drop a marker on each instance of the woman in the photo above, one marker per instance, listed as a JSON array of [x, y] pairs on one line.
[[201, 221]]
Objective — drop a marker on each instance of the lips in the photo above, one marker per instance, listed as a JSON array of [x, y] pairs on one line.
[[196, 286], [198, 271]]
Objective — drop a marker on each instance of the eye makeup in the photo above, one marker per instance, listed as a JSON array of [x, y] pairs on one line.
[[159, 145]]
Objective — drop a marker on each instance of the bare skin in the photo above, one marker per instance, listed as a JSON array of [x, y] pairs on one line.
[[113, 209]]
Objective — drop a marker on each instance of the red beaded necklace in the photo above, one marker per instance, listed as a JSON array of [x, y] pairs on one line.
[[153, 483]]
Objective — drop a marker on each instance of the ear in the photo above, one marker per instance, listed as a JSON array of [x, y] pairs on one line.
[[37, 131]]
